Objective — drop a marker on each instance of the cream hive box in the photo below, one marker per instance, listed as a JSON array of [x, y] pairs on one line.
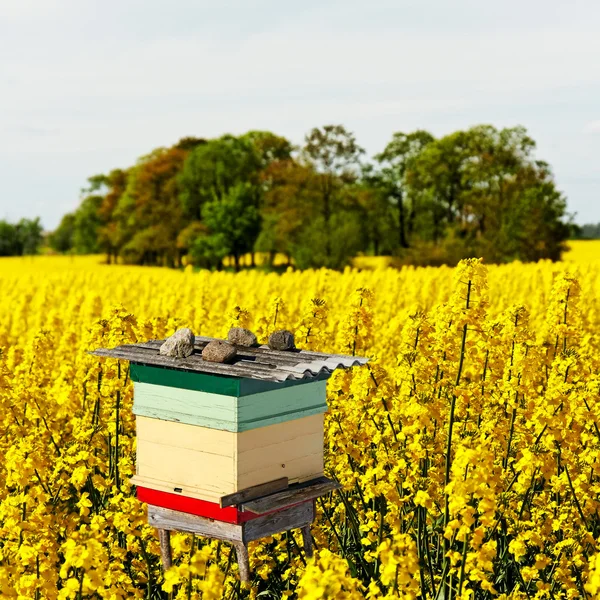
[[207, 431]]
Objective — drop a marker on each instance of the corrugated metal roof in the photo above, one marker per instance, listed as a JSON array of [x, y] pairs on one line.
[[254, 363]]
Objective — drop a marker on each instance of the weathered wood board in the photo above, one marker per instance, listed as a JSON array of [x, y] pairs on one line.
[[293, 495], [206, 463], [229, 413], [291, 517]]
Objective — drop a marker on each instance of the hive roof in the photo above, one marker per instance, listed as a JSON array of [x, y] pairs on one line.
[[260, 363]]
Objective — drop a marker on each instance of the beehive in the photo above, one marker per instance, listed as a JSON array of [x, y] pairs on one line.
[[208, 430]]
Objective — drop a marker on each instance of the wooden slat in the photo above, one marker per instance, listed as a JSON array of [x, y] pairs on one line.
[[301, 468], [254, 492], [173, 520], [293, 431], [299, 356], [299, 493], [201, 439], [165, 486], [278, 365], [203, 409], [293, 517], [184, 468], [191, 363], [278, 406], [193, 506], [218, 411]]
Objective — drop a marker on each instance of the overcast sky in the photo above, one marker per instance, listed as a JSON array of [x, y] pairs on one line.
[[90, 85]]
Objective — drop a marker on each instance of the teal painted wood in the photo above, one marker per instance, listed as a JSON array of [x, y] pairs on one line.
[[278, 406], [229, 413], [185, 406], [215, 384]]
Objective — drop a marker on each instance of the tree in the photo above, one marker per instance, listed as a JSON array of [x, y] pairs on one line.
[[29, 236], [150, 201], [61, 239], [9, 244], [24, 237], [395, 160], [289, 202], [483, 188], [109, 234], [233, 223], [212, 169], [588, 231], [86, 225], [269, 147], [335, 157]]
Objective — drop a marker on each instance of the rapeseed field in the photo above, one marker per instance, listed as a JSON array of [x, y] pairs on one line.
[[468, 449]]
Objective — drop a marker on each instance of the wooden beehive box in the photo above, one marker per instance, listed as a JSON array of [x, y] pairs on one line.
[[208, 430]]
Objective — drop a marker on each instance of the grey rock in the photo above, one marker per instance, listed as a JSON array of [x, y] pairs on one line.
[[179, 345], [282, 340], [219, 351], [242, 337]]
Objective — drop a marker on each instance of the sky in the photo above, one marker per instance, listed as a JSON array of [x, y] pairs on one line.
[[90, 85]]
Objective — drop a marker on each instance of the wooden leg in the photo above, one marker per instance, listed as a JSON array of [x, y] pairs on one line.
[[243, 561], [164, 535], [307, 538]]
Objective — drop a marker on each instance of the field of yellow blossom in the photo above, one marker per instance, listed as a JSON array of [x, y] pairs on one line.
[[468, 449]]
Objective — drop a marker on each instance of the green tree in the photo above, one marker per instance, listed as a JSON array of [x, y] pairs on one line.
[[29, 234], [233, 223], [150, 202], [391, 179], [269, 147], [289, 203], [86, 225], [61, 239], [212, 169], [9, 242], [334, 154], [484, 189]]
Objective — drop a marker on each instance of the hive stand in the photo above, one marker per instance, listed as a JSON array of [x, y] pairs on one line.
[[289, 507]]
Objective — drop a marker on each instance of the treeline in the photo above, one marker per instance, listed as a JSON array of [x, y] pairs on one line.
[[422, 199], [589, 231], [18, 239]]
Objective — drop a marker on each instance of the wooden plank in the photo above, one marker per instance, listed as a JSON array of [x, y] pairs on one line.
[[185, 490], [183, 468], [307, 539], [303, 355], [187, 380], [278, 406], [281, 418], [185, 406], [300, 468], [172, 520], [283, 453], [192, 363], [293, 449], [164, 537], [289, 365], [292, 495], [193, 506], [191, 437], [230, 413], [294, 430], [241, 551], [208, 382], [253, 492], [277, 522]]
